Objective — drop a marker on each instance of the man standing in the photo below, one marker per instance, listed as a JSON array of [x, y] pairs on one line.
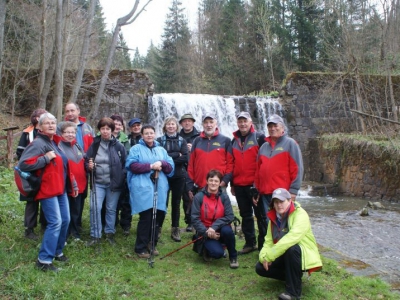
[[85, 133], [279, 165], [211, 150], [135, 126], [189, 133], [246, 143]]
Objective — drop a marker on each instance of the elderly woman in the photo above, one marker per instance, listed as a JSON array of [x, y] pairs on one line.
[[75, 155], [143, 161], [212, 216], [43, 156], [176, 147], [105, 159], [290, 247]]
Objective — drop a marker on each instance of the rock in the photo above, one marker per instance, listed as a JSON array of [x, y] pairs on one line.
[[375, 205], [364, 212]]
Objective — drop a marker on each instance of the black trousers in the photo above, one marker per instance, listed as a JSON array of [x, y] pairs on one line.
[[75, 208], [245, 204], [262, 219], [31, 214], [286, 268], [143, 232], [176, 186], [187, 207]]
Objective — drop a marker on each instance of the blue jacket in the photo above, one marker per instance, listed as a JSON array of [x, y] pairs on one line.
[[141, 187]]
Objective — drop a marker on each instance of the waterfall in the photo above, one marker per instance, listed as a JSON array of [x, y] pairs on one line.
[[225, 109]]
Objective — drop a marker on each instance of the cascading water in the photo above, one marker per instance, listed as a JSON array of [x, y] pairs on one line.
[[225, 108]]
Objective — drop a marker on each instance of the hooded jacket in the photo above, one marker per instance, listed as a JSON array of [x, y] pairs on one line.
[[299, 232], [207, 154], [279, 165], [141, 187], [33, 159]]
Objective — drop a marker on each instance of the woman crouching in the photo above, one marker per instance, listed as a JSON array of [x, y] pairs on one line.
[[211, 216]]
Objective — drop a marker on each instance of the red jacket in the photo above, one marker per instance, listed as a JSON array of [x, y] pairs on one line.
[[245, 157], [33, 159], [208, 154]]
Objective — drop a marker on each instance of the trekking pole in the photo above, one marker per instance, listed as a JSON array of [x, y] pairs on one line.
[[150, 260], [181, 247], [93, 198]]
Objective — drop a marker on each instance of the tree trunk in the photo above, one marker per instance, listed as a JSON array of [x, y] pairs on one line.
[[42, 64], [58, 89], [3, 10], [84, 53]]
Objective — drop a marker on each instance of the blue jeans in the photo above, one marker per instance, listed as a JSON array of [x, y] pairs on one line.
[[56, 212], [227, 237], [103, 192]]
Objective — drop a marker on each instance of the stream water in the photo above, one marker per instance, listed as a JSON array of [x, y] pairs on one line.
[[367, 246]]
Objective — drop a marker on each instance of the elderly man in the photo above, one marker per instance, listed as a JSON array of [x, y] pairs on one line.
[[279, 165], [189, 133], [246, 143], [135, 125], [211, 150]]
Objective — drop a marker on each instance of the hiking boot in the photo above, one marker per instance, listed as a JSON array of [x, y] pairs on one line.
[[29, 234], [206, 257], [286, 296], [233, 263], [189, 228], [93, 241], [45, 267], [175, 234], [247, 249], [110, 238], [126, 231], [143, 255], [61, 258], [155, 251]]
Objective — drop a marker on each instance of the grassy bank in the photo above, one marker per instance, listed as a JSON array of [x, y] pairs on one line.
[[115, 272]]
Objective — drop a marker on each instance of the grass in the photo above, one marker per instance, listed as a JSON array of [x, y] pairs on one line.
[[116, 272]]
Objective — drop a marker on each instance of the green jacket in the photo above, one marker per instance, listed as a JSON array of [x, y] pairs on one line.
[[123, 139], [299, 233]]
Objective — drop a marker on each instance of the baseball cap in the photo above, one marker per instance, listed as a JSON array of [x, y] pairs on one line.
[[274, 119], [187, 116], [209, 116], [281, 194], [133, 121], [243, 114]]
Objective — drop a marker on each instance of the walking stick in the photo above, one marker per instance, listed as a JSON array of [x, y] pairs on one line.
[[93, 199], [150, 260], [181, 247]]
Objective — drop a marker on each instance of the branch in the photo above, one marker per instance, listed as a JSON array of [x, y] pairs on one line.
[[368, 115]]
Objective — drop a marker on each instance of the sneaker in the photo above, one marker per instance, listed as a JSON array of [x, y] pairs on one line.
[[247, 249], [46, 267], [29, 234], [61, 258], [155, 251], [206, 257], [143, 255], [175, 234], [110, 238], [126, 231], [189, 228], [93, 241], [286, 296], [233, 264]]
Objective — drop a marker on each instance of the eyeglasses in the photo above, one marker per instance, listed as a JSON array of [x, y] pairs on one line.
[[69, 132]]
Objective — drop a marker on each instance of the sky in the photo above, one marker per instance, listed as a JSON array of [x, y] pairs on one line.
[[149, 26]]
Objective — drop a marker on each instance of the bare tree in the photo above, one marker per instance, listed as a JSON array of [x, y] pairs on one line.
[[42, 63], [58, 91], [126, 20], [84, 53], [3, 8]]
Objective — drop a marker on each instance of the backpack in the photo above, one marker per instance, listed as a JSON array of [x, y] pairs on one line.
[[27, 183], [164, 141]]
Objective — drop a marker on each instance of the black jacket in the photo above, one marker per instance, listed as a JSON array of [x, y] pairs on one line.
[[177, 149], [117, 155]]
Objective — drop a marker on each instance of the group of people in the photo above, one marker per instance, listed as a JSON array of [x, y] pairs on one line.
[[134, 175]]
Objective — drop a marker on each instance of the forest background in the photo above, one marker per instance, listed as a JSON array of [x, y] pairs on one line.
[[239, 47]]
